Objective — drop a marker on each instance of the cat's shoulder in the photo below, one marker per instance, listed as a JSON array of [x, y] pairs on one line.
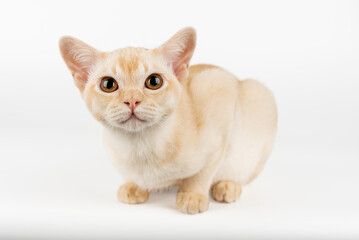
[[204, 76], [199, 68], [207, 69]]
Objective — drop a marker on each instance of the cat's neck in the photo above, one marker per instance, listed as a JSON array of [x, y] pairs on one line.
[[162, 139]]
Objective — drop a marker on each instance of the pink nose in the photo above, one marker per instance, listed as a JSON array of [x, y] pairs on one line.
[[132, 103]]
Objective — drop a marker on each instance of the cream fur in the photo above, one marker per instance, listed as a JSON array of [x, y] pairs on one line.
[[202, 128]]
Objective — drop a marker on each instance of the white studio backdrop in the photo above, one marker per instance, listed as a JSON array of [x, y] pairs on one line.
[[56, 180]]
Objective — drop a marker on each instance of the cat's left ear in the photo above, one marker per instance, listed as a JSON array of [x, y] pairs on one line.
[[178, 51], [79, 58]]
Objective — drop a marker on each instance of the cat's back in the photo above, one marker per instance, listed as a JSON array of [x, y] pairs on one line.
[[245, 109], [212, 92], [208, 82], [201, 70], [215, 93]]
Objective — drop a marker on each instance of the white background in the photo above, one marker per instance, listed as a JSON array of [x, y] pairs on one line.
[[57, 182]]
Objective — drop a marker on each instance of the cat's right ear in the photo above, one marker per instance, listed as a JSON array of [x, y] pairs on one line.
[[79, 58], [178, 51]]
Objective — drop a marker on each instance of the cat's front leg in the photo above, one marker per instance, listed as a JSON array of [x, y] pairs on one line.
[[191, 202], [131, 193], [193, 196]]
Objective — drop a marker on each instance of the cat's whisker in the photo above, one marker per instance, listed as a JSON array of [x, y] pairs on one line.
[[121, 117], [145, 112], [114, 110], [150, 108]]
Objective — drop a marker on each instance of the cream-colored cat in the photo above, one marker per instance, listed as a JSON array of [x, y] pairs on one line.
[[168, 124]]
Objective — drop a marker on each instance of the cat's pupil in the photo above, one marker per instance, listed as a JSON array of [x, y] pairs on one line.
[[109, 84], [154, 81]]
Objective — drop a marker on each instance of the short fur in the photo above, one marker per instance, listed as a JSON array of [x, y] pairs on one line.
[[202, 129]]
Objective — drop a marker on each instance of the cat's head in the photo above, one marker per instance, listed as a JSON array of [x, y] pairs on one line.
[[131, 88]]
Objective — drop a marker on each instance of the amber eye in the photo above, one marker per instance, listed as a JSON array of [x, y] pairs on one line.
[[108, 84], [154, 81]]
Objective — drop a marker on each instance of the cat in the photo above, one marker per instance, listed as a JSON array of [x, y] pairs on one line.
[[170, 124]]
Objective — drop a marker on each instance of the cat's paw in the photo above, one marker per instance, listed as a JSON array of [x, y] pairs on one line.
[[226, 191], [191, 202], [131, 193]]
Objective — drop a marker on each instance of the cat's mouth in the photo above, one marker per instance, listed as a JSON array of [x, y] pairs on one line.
[[133, 117]]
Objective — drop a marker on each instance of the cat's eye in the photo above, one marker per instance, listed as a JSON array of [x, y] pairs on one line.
[[108, 84], [154, 81]]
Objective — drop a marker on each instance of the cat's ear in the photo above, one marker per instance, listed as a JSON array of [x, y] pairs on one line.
[[178, 51], [79, 58]]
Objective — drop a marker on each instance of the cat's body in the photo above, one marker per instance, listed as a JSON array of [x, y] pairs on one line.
[[205, 129], [156, 158]]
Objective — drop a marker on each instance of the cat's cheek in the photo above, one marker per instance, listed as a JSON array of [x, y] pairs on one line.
[[175, 91], [95, 110], [171, 96], [95, 103], [172, 103], [168, 111]]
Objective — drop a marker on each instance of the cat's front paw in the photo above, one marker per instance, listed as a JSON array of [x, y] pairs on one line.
[[226, 191], [191, 202], [131, 193]]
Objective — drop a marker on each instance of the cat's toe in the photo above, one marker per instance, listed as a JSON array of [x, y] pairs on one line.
[[226, 191], [191, 202], [131, 193]]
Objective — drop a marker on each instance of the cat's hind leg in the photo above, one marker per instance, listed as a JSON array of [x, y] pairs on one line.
[[131, 193], [226, 191]]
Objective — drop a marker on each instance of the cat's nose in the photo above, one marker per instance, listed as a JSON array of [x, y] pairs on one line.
[[132, 103]]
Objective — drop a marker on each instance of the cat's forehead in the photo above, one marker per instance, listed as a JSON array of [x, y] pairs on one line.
[[131, 65], [129, 61]]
